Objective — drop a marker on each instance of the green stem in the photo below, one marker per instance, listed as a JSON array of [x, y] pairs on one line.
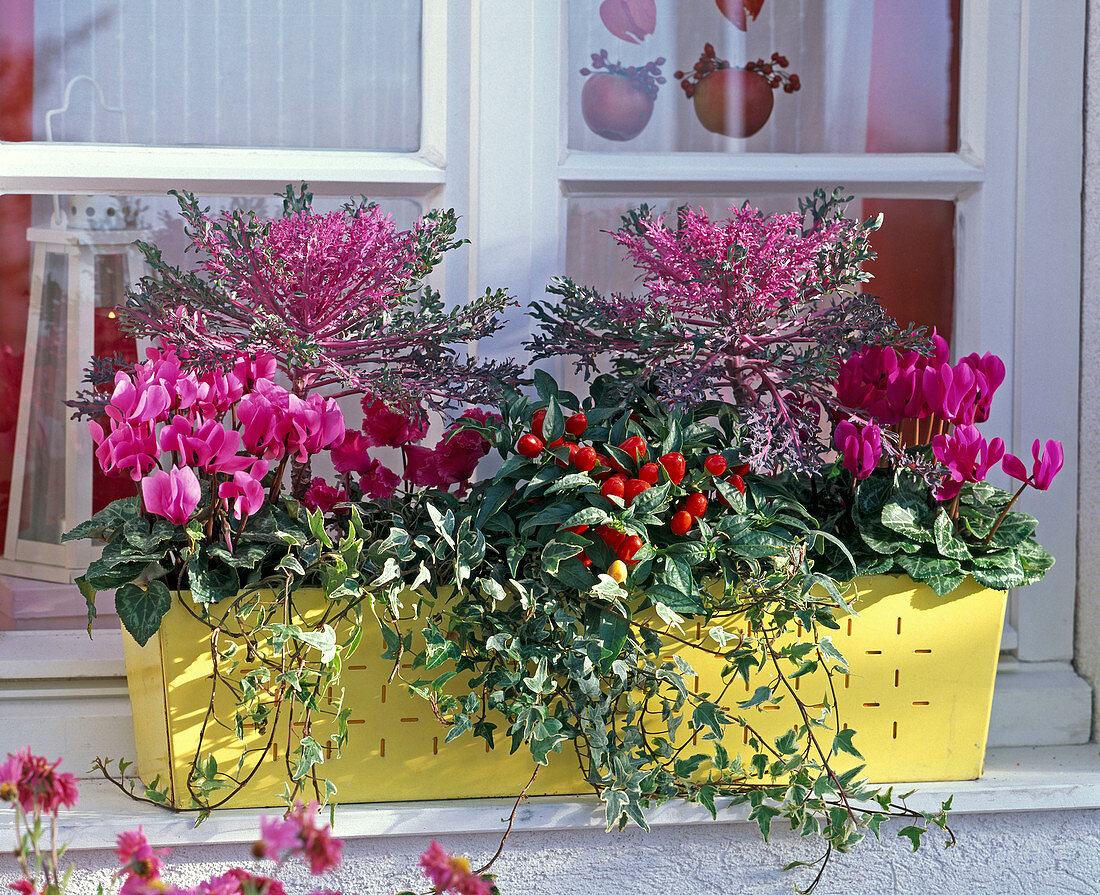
[[1004, 512]]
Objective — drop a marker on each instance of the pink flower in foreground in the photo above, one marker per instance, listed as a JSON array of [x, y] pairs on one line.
[[173, 494], [36, 784], [25, 886], [630, 20], [452, 873], [388, 428], [967, 456], [129, 449], [278, 840], [318, 845], [322, 496], [459, 451], [378, 482], [1045, 466], [137, 856], [861, 448]]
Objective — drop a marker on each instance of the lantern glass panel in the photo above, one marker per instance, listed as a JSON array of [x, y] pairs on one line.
[[41, 516]]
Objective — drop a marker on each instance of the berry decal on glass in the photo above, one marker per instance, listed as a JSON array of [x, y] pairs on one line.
[[736, 102], [617, 100]]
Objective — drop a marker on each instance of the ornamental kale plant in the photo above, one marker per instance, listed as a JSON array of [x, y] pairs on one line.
[[755, 310], [339, 299]]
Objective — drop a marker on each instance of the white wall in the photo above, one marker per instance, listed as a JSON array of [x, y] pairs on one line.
[[1025, 854]]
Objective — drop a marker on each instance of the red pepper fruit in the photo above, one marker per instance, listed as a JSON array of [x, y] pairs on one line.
[[577, 529], [715, 464], [529, 446], [650, 473], [572, 454], [576, 424], [585, 459], [740, 469], [681, 523], [696, 504], [616, 485], [737, 482], [586, 559], [675, 465], [557, 442], [611, 536], [631, 544], [536, 424], [635, 446], [632, 489]]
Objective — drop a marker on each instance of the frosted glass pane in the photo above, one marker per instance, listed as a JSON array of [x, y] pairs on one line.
[[873, 75], [339, 74]]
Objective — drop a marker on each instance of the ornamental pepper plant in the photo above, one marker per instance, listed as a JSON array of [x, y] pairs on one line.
[[614, 547]]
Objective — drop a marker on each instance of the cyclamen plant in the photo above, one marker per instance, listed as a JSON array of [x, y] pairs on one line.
[[37, 792], [757, 310], [927, 510]]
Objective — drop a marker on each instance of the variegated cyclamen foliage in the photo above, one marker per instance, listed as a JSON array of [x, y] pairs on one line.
[[757, 310]]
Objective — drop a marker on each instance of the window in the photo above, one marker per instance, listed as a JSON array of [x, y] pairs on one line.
[[477, 106]]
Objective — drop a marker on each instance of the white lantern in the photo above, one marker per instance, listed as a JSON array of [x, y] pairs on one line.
[[77, 265]]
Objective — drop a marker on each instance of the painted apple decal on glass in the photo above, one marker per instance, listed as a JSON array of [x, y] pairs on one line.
[[617, 101], [736, 102], [740, 11], [631, 20]]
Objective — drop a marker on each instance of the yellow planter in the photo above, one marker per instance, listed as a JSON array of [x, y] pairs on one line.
[[919, 694]]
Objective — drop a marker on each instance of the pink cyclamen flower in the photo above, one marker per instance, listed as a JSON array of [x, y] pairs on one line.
[[173, 494], [1045, 466], [631, 20], [245, 490], [137, 403], [861, 449], [452, 873], [35, 783], [322, 496], [378, 482], [967, 456], [951, 392], [310, 425], [137, 856], [260, 413], [129, 449], [25, 886], [459, 450], [384, 427], [350, 455], [989, 373]]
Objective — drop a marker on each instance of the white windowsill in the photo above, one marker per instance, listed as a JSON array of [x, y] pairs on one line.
[[1026, 779]]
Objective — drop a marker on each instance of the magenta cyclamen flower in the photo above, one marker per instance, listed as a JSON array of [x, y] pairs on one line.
[[36, 784], [378, 482], [861, 449], [322, 496], [1045, 466], [173, 494], [245, 489], [384, 427], [967, 456]]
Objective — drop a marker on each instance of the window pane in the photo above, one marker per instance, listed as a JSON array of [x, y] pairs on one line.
[[914, 273], [58, 288], [873, 75], [334, 74]]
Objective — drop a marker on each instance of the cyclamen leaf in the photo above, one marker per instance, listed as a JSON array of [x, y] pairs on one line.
[[905, 514], [141, 609], [946, 540]]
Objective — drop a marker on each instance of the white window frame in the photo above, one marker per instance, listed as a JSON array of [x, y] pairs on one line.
[[494, 148]]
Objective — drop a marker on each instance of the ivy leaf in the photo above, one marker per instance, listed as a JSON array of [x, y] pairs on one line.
[[762, 694], [141, 609], [309, 754], [913, 834], [842, 742], [763, 815]]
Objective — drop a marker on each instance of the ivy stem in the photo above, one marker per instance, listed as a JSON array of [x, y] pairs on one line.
[[1004, 513]]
